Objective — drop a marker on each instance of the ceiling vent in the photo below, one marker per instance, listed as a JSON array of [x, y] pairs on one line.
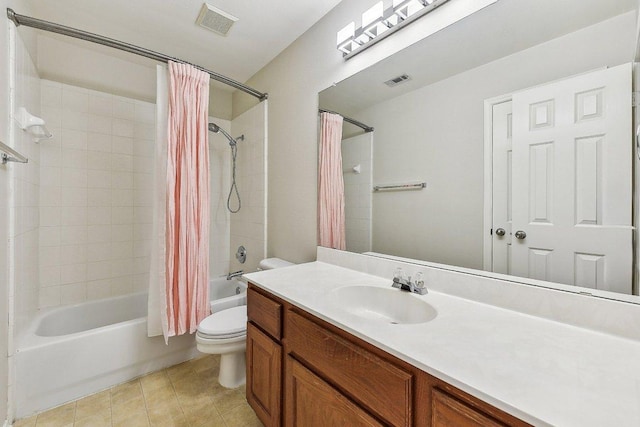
[[215, 20], [397, 80]]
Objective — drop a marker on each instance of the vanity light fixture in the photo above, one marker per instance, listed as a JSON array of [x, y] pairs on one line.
[[404, 9], [378, 23], [373, 21], [345, 39]]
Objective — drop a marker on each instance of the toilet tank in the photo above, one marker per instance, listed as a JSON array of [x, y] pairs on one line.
[[271, 263]]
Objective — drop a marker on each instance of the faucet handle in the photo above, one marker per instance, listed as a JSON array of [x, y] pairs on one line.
[[420, 288], [419, 280]]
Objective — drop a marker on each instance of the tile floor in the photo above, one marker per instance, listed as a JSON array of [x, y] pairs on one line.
[[187, 395]]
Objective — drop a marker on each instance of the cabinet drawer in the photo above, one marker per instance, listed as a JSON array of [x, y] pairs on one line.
[[381, 387], [313, 402], [447, 411], [265, 312]]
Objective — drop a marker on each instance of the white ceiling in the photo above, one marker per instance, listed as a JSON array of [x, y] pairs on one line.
[[499, 30], [264, 29]]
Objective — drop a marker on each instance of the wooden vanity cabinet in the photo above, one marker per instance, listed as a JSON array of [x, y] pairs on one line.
[[381, 387], [303, 371], [310, 401], [264, 358]]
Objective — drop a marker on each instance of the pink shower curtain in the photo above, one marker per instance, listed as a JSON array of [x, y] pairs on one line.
[[187, 203], [331, 184]]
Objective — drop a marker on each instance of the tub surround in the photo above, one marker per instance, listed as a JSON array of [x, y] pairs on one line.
[[524, 362]]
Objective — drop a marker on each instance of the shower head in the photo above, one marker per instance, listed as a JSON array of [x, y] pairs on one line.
[[215, 129]]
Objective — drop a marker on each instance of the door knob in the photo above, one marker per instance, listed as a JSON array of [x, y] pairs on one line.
[[520, 235], [500, 232]]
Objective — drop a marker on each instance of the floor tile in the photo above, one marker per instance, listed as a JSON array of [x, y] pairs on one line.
[[26, 422], [121, 411], [242, 416], [95, 405], [179, 371], [125, 392], [185, 395], [139, 419], [229, 400], [102, 419], [57, 417], [206, 415], [155, 381]]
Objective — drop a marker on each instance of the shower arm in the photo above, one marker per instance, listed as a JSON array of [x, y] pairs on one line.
[[232, 141]]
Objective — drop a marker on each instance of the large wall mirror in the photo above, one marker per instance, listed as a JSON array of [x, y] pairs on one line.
[[519, 121]]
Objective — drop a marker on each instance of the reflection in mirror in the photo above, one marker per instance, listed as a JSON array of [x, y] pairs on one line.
[[519, 120]]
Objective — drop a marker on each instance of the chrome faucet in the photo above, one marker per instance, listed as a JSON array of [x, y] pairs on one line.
[[235, 274], [405, 284]]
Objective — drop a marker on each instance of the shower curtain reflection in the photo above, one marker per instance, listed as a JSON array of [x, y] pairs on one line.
[[331, 219]]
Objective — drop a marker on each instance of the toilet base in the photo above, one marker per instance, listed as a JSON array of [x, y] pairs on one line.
[[232, 370], [232, 358]]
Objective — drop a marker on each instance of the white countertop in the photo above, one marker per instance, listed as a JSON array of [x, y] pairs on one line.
[[541, 371]]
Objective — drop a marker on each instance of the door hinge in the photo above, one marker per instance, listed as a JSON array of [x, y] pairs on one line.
[[635, 99]]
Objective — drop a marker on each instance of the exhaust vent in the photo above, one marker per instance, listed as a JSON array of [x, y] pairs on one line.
[[215, 20], [397, 80]]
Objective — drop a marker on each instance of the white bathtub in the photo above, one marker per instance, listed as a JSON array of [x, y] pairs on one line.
[[73, 351], [225, 293]]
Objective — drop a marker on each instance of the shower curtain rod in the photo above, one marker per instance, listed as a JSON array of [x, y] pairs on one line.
[[366, 128], [40, 24]]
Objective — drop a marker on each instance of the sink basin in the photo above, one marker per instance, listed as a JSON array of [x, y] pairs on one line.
[[382, 305]]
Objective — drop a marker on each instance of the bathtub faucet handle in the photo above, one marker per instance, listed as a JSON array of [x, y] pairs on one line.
[[235, 274]]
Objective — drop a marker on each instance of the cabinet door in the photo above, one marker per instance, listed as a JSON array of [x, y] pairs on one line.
[[448, 411], [312, 402], [264, 370], [373, 382]]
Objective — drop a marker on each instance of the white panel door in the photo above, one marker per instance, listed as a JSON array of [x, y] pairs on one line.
[[572, 183], [502, 187]]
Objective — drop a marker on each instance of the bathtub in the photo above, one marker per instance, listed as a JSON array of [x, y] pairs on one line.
[[73, 351]]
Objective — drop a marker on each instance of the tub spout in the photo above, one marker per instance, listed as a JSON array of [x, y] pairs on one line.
[[235, 274]]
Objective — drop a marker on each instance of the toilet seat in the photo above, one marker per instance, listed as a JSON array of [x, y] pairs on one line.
[[225, 324]]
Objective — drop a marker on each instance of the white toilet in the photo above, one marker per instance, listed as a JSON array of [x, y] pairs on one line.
[[225, 333]]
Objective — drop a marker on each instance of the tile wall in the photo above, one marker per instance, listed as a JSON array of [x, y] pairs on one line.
[[95, 195], [357, 151], [248, 226], [24, 188], [220, 164]]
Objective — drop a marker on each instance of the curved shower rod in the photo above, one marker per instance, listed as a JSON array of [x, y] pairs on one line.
[[364, 127], [40, 24]]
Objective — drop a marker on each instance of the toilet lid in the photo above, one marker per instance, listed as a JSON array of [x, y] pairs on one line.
[[225, 323]]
